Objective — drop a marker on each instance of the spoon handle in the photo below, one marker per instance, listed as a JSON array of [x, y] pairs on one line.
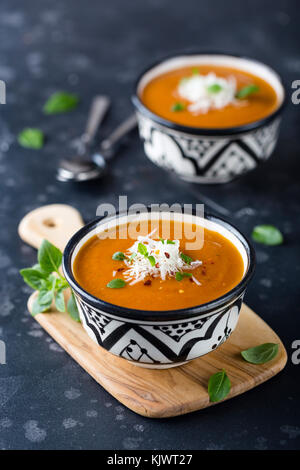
[[99, 107], [107, 145]]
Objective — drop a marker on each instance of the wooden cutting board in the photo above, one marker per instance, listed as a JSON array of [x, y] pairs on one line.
[[151, 393]]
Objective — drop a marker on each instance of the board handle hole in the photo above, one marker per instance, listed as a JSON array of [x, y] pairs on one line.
[[50, 223]]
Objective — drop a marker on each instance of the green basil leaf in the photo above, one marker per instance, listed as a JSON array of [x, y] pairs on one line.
[[32, 277], [118, 256], [162, 240], [179, 276], [142, 249], [267, 234], [246, 91], [152, 260], [72, 308], [38, 308], [60, 102], [177, 107], [60, 301], [218, 386], [31, 138], [187, 259], [260, 354], [116, 284], [49, 257], [195, 71], [37, 267], [45, 297], [61, 284], [170, 242], [215, 88]]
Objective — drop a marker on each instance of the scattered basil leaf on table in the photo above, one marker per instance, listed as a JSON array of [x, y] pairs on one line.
[[49, 286], [177, 107], [31, 138], [118, 256], [214, 88], [61, 102], [170, 242], [267, 234], [247, 91], [116, 284], [260, 354], [218, 386]]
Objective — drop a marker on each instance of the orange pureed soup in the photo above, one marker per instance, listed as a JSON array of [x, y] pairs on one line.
[[173, 96], [158, 274]]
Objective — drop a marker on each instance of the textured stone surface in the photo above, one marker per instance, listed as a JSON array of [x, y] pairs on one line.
[[47, 401]]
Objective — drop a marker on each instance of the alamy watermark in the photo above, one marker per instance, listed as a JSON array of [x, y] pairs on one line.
[[125, 221], [2, 92], [2, 352], [295, 358]]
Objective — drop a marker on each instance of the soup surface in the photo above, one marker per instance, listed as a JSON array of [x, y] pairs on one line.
[[158, 274], [209, 96]]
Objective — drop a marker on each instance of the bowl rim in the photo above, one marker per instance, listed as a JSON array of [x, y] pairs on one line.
[[226, 131], [162, 315]]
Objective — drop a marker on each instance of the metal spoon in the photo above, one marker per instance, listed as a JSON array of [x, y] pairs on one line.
[[109, 145], [81, 167], [95, 167]]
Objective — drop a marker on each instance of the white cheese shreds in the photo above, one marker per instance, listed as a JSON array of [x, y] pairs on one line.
[[206, 92], [196, 281], [166, 261]]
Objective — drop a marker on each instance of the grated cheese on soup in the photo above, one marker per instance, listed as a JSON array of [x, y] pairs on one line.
[[156, 258], [206, 92]]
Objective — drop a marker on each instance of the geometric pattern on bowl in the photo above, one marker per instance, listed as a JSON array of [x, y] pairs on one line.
[[207, 159], [159, 343]]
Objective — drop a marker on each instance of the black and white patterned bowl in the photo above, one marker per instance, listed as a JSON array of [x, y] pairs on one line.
[[160, 339], [202, 155]]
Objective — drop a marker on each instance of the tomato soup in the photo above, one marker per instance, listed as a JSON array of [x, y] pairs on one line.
[[209, 96], [154, 273]]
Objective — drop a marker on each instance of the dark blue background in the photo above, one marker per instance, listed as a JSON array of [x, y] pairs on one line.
[[96, 46]]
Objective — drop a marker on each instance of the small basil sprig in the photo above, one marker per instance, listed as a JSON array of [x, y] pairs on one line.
[[214, 88], [187, 259], [116, 284], [260, 354], [178, 107], [31, 138], [49, 286], [118, 256], [60, 102], [143, 251], [179, 276], [247, 91], [267, 235], [218, 386]]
